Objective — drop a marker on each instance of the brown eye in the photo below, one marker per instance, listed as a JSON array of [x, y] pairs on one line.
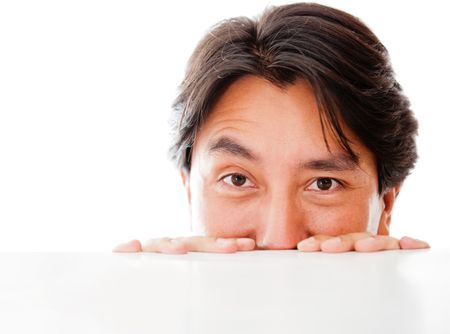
[[238, 179], [324, 183]]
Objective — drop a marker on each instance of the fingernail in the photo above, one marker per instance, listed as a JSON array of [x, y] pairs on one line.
[[307, 242], [417, 240], [224, 242], [130, 246], [332, 242], [370, 239], [245, 243], [412, 239]]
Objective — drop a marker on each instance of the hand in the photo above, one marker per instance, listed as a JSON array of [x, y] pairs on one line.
[[360, 242], [188, 244]]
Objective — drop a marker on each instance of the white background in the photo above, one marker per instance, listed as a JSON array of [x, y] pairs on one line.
[[85, 95]]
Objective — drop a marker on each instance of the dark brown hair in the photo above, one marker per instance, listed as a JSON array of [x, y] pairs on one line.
[[345, 63]]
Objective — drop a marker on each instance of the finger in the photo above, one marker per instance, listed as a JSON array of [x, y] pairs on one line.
[[165, 245], [377, 243], [343, 243], [245, 244], [219, 245], [313, 243], [410, 243], [198, 244], [129, 247]]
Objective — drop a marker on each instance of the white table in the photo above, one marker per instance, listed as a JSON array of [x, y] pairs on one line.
[[249, 292]]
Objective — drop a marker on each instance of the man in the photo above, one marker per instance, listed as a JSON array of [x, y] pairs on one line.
[[290, 132]]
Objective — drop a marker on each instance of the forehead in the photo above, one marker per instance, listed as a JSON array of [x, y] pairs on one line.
[[274, 123], [250, 97], [258, 110]]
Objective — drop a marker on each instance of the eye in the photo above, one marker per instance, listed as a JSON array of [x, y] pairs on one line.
[[237, 180], [324, 184]]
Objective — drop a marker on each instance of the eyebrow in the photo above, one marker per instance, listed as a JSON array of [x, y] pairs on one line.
[[339, 162], [230, 146]]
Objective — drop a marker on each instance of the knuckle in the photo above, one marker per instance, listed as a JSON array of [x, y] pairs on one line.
[[161, 240], [321, 237], [360, 235]]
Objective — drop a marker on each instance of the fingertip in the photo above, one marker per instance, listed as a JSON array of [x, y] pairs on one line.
[[309, 245], [176, 246], [332, 245], [370, 244], [245, 244], [411, 243], [174, 251], [128, 247], [227, 245]]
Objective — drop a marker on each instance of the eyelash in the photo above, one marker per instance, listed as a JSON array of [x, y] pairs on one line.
[[232, 185], [340, 184]]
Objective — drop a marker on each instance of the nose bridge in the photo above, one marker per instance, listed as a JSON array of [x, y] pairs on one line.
[[282, 220]]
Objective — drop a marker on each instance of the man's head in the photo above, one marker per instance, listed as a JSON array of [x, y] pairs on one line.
[[301, 107]]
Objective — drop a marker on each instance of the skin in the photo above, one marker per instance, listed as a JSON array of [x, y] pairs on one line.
[[263, 178]]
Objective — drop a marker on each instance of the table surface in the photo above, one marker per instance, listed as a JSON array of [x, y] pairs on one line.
[[247, 292]]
